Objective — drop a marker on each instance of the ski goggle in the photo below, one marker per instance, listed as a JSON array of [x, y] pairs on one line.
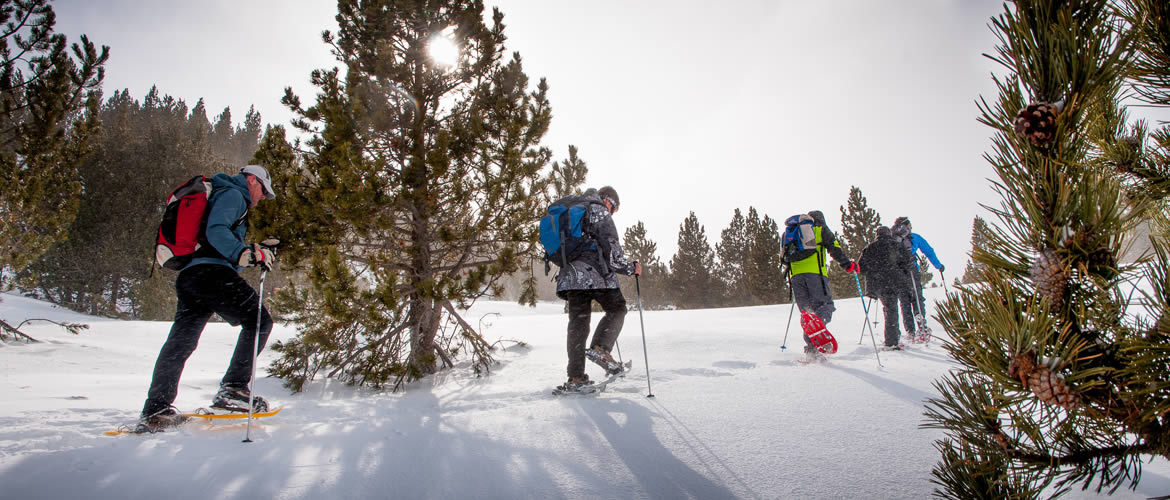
[[612, 203]]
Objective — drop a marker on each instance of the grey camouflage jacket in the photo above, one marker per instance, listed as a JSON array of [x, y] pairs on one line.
[[583, 273]]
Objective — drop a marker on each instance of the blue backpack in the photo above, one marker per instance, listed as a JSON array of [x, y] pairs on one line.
[[800, 240], [563, 232]]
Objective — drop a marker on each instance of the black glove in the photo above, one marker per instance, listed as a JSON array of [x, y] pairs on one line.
[[942, 269]]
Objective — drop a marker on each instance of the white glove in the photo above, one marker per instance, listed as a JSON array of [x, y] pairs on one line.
[[257, 255]]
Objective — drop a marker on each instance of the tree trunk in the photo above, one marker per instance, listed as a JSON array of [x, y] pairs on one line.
[[423, 316]]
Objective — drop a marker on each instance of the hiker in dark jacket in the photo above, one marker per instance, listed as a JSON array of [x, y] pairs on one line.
[[886, 265], [211, 284], [809, 276], [593, 276]]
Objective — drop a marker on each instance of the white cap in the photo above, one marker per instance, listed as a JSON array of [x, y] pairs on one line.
[[261, 175]]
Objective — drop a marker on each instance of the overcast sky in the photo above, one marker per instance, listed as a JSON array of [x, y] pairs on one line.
[[680, 105]]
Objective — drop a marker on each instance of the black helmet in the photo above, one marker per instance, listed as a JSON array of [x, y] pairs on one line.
[[884, 232], [902, 221]]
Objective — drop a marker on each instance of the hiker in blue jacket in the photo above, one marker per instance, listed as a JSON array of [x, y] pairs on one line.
[[916, 242], [593, 276], [211, 284]]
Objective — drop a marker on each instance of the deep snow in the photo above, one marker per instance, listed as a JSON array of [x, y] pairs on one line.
[[734, 417]]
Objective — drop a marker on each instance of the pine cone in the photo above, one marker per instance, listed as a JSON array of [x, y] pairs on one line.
[[1050, 276], [1037, 122], [1003, 441], [1050, 388], [1022, 365], [1132, 148]]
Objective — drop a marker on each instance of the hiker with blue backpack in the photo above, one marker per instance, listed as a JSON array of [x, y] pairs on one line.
[[209, 283], [579, 236], [807, 244]]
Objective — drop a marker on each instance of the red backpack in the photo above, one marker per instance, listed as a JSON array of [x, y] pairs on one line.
[[181, 233]]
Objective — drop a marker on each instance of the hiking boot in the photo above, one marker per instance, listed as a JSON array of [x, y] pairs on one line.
[[235, 399], [577, 384], [159, 421], [601, 357]]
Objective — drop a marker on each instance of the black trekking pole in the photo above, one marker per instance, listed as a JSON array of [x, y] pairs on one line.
[[784, 343], [871, 334], [255, 354], [642, 321], [921, 329], [944, 280], [618, 346]]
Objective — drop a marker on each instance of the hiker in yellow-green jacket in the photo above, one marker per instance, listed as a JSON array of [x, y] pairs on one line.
[[809, 268]]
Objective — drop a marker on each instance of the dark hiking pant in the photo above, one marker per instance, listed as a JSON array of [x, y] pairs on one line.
[[608, 329], [204, 290], [891, 299], [811, 292]]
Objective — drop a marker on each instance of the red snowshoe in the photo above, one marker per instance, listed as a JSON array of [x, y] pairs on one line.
[[821, 339]]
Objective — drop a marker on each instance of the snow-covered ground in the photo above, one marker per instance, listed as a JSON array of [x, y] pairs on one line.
[[733, 416]]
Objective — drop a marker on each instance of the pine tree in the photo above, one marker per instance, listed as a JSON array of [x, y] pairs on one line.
[[420, 190], [764, 277], [859, 225], [48, 106], [732, 252], [568, 177], [692, 267], [925, 271], [654, 279], [222, 131], [1060, 384], [979, 231]]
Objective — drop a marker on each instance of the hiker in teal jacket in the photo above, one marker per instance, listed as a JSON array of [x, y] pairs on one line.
[[211, 284]]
